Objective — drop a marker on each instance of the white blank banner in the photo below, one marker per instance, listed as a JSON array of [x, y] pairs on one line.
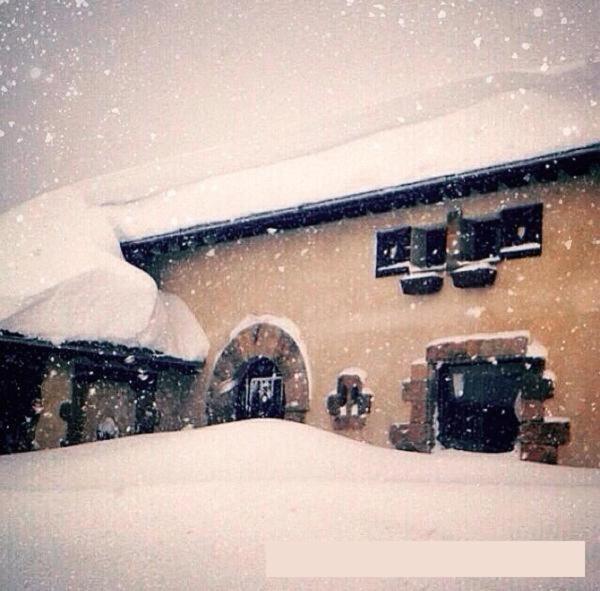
[[425, 559]]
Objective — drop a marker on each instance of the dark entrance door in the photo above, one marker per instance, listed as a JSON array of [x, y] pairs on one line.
[[260, 391], [476, 406]]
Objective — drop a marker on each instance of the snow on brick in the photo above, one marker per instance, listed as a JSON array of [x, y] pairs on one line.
[[484, 336]]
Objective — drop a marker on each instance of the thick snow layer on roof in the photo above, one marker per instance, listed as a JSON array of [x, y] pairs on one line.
[[480, 122], [193, 510], [244, 85], [64, 278]]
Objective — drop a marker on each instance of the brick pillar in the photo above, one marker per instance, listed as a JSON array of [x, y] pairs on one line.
[[417, 434]]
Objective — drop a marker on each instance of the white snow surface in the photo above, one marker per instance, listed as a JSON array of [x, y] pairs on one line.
[[194, 509], [463, 338], [59, 256], [64, 278], [459, 127]]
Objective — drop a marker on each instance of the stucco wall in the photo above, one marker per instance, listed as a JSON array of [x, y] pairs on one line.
[[322, 279], [115, 399], [56, 387]]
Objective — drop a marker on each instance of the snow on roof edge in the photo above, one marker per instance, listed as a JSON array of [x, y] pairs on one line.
[[104, 348], [560, 156]]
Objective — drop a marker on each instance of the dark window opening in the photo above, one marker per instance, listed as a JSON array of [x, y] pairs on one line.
[[479, 239], [522, 231], [20, 403], [476, 405], [348, 401], [393, 252], [260, 390]]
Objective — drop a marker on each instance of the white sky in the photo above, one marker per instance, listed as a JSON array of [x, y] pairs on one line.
[[89, 87]]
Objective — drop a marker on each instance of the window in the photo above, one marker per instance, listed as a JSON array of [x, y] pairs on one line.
[[260, 391], [421, 256], [350, 403], [522, 231], [393, 252], [400, 250], [428, 260], [480, 238], [479, 241], [476, 405]]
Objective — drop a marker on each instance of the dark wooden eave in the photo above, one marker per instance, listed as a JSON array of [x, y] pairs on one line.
[[573, 162], [117, 357]]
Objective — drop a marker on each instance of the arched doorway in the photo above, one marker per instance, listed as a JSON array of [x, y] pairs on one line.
[[261, 372]]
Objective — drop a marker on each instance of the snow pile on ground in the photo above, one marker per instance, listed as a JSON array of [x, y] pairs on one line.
[[64, 278], [193, 509]]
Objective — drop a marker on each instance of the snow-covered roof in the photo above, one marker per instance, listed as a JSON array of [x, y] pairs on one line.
[[346, 101], [64, 279], [475, 123], [251, 220]]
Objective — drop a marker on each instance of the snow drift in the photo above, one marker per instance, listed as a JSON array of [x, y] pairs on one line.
[[64, 278], [194, 509]]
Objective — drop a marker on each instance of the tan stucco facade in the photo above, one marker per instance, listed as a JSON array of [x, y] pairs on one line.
[[322, 280], [109, 398]]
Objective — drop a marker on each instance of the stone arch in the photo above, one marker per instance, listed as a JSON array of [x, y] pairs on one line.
[[259, 337]]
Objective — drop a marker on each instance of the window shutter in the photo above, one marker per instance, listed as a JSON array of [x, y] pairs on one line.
[[428, 246]]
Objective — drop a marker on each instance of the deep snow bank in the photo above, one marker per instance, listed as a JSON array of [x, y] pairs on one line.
[[193, 509], [64, 278]]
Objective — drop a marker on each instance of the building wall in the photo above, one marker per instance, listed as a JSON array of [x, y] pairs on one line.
[[114, 399], [322, 279], [56, 387]]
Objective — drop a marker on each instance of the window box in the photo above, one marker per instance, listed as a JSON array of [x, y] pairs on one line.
[[476, 275], [422, 283]]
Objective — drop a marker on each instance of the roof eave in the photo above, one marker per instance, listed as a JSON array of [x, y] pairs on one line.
[[101, 352], [514, 174]]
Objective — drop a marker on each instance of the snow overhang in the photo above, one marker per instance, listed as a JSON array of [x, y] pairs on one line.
[[102, 354]]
